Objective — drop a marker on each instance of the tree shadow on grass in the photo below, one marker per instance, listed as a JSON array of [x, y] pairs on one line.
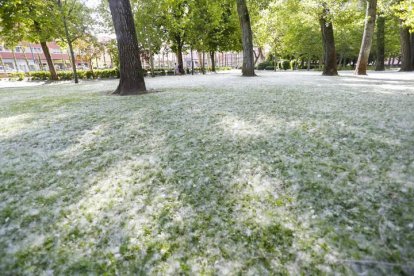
[[167, 186]]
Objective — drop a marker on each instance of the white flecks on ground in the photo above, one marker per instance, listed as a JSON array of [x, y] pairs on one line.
[[289, 172]]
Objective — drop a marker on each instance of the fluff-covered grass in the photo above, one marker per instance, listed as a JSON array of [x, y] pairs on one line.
[[285, 173]]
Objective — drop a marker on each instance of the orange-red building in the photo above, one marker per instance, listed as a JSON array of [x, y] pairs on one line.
[[29, 57]]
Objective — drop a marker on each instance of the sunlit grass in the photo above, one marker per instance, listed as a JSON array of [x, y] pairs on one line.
[[284, 173]]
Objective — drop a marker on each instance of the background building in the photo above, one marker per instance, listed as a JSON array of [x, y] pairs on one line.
[[30, 57]]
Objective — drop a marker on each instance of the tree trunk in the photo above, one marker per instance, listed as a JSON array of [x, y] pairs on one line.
[[380, 61], [412, 50], [203, 67], [69, 41], [2, 64], [132, 76], [308, 65], [405, 42], [26, 59], [192, 61], [52, 70], [179, 54], [259, 56], [15, 60], [151, 60], [247, 39], [328, 41], [213, 61], [33, 56], [370, 16], [90, 65], [40, 63]]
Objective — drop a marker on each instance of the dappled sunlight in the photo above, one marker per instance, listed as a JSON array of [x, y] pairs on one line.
[[88, 138], [220, 182], [11, 126], [236, 127]]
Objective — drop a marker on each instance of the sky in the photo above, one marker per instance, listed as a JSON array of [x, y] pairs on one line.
[[92, 3]]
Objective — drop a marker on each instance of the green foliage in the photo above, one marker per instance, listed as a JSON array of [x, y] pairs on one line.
[[18, 75], [68, 75], [264, 65]]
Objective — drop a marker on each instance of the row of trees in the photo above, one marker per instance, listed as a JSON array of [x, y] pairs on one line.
[[66, 21], [293, 29], [290, 27], [332, 31]]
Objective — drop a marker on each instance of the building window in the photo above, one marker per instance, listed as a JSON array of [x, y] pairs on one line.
[[56, 51], [19, 49], [37, 50]]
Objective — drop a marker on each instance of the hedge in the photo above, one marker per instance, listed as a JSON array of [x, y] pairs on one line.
[[68, 75], [96, 74]]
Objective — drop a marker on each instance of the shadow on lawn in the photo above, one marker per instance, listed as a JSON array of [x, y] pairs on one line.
[[211, 189]]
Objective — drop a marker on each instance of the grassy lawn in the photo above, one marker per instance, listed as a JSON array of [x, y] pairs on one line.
[[285, 173]]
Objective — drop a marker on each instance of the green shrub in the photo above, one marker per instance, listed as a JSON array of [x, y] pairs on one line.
[[19, 76], [284, 65], [270, 68], [264, 65], [40, 75], [224, 68], [89, 75], [64, 75]]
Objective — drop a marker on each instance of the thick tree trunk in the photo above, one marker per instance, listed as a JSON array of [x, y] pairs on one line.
[[247, 39], [328, 41], [52, 70], [179, 53], [213, 61], [371, 14], [132, 76], [380, 60], [405, 42], [412, 50], [180, 61]]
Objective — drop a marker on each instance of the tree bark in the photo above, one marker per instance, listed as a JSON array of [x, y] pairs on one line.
[[380, 60], [328, 41], [179, 54], [2, 64], [192, 61], [412, 50], [371, 14], [52, 70], [69, 41], [15, 60], [132, 76], [151, 60], [405, 42], [247, 39], [26, 59], [213, 61], [203, 67]]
